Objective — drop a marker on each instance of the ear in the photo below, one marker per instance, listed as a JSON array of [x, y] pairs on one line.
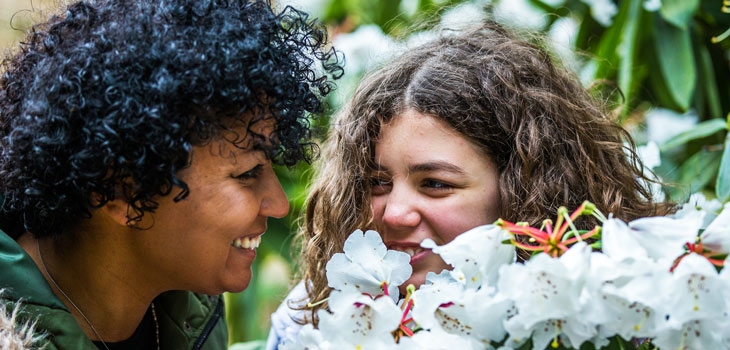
[[119, 211]]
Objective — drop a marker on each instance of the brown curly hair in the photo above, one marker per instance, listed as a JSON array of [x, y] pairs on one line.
[[552, 142]]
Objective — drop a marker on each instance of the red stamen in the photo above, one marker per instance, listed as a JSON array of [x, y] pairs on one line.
[[406, 330], [528, 247]]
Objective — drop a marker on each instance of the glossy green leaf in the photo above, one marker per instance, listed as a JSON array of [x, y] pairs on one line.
[[700, 169], [385, 13], [700, 130], [722, 186], [710, 92], [626, 50], [606, 53], [678, 12], [676, 62]]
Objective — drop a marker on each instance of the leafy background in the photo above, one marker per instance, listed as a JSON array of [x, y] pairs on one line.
[[663, 65]]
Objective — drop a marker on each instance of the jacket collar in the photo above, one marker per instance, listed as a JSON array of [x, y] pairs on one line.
[[185, 318], [20, 277]]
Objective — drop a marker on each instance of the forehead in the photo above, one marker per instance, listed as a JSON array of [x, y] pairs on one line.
[[416, 126], [419, 137], [238, 138]]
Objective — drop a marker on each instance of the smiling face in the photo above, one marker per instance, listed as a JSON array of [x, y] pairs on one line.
[[430, 182], [206, 242]]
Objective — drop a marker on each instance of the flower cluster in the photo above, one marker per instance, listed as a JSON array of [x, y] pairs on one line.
[[655, 282]]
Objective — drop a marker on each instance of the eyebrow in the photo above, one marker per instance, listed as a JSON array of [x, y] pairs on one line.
[[429, 166]]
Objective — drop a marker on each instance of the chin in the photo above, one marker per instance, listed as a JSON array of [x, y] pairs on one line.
[[229, 286], [238, 287]]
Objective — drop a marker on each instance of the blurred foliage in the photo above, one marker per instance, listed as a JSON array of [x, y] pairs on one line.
[[395, 17]]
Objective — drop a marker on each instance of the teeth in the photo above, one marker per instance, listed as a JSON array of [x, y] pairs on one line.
[[247, 242], [410, 251]]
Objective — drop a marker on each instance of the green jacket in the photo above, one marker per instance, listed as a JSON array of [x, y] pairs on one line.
[[187, 320]]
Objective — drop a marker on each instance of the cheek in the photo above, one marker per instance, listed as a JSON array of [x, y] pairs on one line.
[[451, 221]]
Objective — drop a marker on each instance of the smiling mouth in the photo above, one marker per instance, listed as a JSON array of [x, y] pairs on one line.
[[246, 242], [411, 251]]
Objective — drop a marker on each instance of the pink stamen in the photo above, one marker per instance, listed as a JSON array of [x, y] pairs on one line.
[[548, 239], [406, 311], [406, 330], [699, 248]]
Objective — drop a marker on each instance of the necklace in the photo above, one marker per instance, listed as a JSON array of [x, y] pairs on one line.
[[93, 329], [157, 326]]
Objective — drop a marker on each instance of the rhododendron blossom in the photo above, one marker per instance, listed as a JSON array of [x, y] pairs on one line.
[[655, 282], [368, 266]]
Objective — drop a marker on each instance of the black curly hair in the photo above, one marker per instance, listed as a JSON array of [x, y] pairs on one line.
[[115, 92]]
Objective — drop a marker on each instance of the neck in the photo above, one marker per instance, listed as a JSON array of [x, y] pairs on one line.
[[103, 299]]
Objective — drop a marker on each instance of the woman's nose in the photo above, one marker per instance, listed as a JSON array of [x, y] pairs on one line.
[[401, 210], [274, 203]]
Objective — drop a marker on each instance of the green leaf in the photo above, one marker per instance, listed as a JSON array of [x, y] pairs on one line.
[[626, 50], [678, 12], [700, 130], [385, 12], [722, 186], [710, 87], [700, 169], [676, 62], [607, 57]]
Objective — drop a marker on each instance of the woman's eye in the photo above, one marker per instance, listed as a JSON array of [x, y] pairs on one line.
[[436, 185], [379, 185], [251, 174]]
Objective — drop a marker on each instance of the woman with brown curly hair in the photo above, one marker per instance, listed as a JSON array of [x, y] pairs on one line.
[[456, 133]]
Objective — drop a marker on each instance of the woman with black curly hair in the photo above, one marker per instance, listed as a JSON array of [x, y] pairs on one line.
[[136, 147]]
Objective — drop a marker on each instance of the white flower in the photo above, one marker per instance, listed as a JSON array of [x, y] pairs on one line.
[[364, 48], [308, 338], [358, 322], [550, 299], [463, 16], [696, 292], [439, 339], [716, 236], [698, 201], [625, 297], [652, 280], [696, 304], [562, 35], [477, 254], [367, 266], [651, 158], [658, 238], [520, 13], [663, 124], [649, 155], [652, 5], [445, 304], [602, 11], [697, 335]]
